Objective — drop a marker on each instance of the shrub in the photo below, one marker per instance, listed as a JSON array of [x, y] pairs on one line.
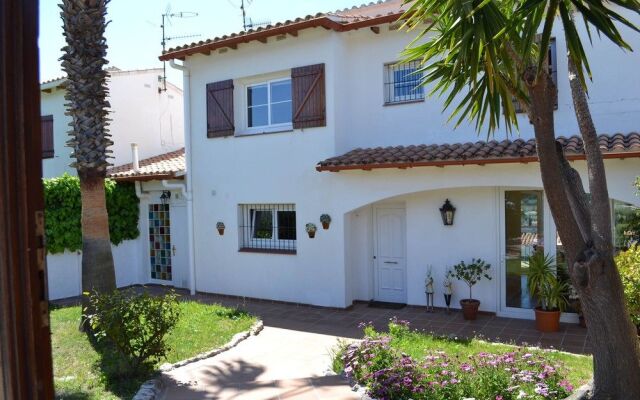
[[628, 263], [136, 324], [471, 273], [390, 375], [63, 209]]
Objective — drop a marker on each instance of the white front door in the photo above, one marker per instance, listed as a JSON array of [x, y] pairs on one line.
[[390, 258]]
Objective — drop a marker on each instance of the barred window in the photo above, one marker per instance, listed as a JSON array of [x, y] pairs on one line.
[[268, 227], [402, 83]]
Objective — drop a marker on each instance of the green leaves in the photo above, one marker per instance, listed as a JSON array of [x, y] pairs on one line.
[[474, 53], [544, 284], [63, 209]]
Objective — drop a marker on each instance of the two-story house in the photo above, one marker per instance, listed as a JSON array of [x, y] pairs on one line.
[[149, 113], [315, 116]]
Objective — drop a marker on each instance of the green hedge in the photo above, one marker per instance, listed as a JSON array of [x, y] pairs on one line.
[[628, 263], [63, 208]]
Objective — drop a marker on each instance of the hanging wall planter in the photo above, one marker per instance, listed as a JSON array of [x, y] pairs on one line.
[[325, 219], [311, 230], [220, 227]]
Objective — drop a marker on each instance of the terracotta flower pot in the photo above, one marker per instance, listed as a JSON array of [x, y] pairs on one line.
[[221, 231], [311, 234], [547, 321], [470, 308], [325, 225]]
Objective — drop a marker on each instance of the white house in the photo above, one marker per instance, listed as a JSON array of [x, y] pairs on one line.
[[142, 112], [314, 116]]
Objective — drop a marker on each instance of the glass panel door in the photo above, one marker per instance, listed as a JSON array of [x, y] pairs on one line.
[[523, 236]]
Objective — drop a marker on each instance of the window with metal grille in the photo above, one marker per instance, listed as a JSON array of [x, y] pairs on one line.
[[402, 83], [553, 70], [268, 227]]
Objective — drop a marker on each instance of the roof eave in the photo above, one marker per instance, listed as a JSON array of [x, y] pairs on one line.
[[443, 163], [146, 178]]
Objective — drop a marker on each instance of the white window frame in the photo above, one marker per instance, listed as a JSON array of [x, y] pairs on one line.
[[274, 242], [390, 83], [253, 130]]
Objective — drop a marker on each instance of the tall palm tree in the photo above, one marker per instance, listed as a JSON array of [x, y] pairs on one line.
[[84, 23], [481, 55]]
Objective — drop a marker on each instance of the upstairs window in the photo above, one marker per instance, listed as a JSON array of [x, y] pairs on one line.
[[46, 123], [402, 83], [269, 104], [268, 228]]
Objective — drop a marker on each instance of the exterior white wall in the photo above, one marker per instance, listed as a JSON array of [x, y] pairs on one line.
[[335, 268], [64, 270], [139, 113]]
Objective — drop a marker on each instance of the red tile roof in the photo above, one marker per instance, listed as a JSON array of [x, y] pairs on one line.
[[479, 153], [164, 166], [341, 20]]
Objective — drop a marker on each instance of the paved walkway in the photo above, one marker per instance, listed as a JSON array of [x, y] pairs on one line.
[[276, 364]]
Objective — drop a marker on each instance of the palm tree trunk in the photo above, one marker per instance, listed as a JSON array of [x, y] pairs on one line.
[[615, 343], [591, 265], [98, 273]]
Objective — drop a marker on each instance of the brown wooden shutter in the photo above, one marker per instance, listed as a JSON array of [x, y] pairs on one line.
[[220, 109], [309, 105], [47, 136]]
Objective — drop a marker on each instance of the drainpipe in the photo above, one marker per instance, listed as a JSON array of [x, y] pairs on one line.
[[135, 157], [187, 189], [142, 196]]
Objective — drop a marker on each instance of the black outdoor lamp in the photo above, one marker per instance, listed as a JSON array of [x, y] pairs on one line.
[[447, 211], [165, 196]]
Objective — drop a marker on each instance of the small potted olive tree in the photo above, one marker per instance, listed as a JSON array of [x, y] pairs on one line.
[[471, 274], [550, 291]]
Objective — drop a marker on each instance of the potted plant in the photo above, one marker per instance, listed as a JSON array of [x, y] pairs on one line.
[[550, 291], [471, 274], [325, 219], [220, 227], [311, 229]]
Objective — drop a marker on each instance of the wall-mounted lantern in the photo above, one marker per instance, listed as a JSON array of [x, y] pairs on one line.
[[165, 196], [447, 211]]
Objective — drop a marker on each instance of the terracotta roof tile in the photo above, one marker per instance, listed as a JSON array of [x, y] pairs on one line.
[[341, 20], [483, 152], [163, 166]]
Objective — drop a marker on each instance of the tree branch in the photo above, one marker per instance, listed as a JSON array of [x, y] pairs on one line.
[[577, 196]]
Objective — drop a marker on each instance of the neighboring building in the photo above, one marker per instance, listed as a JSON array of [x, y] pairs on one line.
[[140, 113], [313, 116]]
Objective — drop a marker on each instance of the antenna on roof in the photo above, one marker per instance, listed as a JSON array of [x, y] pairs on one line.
[[166, 19], [247, 22]]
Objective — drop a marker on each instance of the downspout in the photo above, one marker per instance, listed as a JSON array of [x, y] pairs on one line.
[[142, 195], [187, 189]]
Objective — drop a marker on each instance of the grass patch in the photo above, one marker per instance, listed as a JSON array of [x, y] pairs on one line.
[[82, 372]]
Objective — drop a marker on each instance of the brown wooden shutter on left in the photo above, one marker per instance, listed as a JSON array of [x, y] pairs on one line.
[[308, 95], [47, 136], [220, 109]]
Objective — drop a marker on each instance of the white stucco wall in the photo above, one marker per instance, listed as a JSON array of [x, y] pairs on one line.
[[139, 115], [335, 268], [64, 270]]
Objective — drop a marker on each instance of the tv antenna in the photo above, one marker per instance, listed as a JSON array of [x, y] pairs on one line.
[[166, 19], [247, 22]]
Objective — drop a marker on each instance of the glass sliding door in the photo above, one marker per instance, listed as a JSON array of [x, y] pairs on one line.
[[524, 234]]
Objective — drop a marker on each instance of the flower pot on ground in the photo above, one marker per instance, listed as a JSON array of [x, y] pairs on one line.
[[325, 220], [311, 230], [551, 292], [470, 274], [220, 227]]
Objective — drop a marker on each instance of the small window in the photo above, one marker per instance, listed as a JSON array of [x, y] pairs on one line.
[[402, 83], [46, 123], [269, 104], [268, 227]]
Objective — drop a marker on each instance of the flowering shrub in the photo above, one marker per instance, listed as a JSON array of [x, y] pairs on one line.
[[390, 375]]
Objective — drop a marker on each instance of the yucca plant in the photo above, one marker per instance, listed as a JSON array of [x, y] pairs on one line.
[[480, 56], [83, 60], [544, 284]]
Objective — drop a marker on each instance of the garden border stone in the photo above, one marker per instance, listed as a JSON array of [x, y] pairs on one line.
[[151, 389]]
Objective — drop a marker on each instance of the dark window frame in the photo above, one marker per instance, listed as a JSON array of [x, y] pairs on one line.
[[262, 228]]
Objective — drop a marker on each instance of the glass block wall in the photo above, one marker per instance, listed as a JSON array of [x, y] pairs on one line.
[[160, 241]]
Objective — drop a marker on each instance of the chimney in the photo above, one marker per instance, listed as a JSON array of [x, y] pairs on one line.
[[135, 157]]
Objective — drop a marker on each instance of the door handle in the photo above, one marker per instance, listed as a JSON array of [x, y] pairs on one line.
[[390, 262], [173, 249]]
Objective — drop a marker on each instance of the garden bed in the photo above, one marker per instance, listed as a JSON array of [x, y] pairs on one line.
[[82, 370], [410, 364]]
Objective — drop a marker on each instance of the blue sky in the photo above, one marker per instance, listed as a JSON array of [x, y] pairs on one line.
[[134, 34]]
